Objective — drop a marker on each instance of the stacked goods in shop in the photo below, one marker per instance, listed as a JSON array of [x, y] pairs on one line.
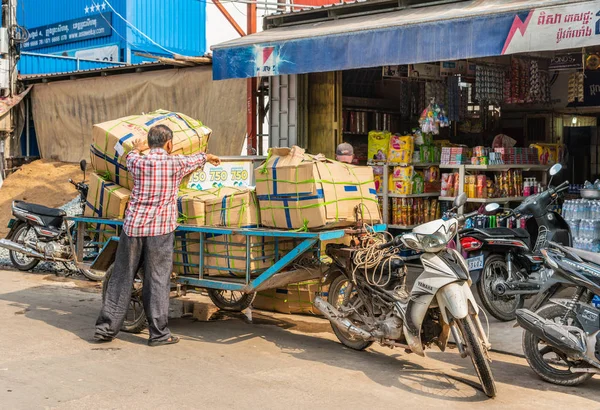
[[224, 255], [548, 154], [299, 191], [401, 180], [294, 298], [449, 184], [401, 149], [432, 179], [379, 145], [105, 199], [526, 83], [414, 211], [518, 155], [112, 140], [455, 155], [378, 176], [510, 183], [576, 87]]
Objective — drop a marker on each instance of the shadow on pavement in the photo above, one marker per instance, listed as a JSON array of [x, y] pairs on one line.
[[75, 311]]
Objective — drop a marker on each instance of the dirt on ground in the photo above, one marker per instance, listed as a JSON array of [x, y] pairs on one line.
[[42, 182]]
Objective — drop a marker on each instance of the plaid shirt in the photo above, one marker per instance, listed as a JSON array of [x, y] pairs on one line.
[[152, 208]]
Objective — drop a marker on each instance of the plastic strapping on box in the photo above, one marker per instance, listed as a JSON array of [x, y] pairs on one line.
[[183, 236]]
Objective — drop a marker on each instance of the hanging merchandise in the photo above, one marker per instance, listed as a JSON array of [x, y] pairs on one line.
[[433, 118], [437, 90], [576, 89], [453, 99], [535, 82], [489, 84]]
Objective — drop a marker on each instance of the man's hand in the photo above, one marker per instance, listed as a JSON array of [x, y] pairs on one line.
[[140, 144], [213, 159]]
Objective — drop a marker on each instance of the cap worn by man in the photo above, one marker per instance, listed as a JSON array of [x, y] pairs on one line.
[[344, 153]]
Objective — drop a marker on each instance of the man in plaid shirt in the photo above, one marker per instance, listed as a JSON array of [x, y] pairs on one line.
[[147, 237]]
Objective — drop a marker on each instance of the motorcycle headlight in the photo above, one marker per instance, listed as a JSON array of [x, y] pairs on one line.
[[434, 242]]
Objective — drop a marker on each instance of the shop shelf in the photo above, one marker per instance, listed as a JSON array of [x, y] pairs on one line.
[[358, 134], [486, 200], [503, 167], [405, 227], [401, 164], [425, 195]]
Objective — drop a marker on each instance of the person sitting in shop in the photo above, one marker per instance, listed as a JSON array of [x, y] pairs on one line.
[[344, 153]]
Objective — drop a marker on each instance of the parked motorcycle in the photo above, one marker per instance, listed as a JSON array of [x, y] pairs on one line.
[[507, 263], [38, 233], [368, 301], [561, 340]]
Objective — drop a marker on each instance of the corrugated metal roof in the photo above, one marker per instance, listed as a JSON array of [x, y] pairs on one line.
[[122, 69], [38, 64]]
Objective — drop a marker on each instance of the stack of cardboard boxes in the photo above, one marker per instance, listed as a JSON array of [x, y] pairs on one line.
[[294, 190]]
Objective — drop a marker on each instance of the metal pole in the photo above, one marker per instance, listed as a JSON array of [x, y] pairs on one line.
[[251, 90], [229, 18], [27, 153]]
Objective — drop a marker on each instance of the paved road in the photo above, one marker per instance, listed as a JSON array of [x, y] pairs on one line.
[[47, 361]]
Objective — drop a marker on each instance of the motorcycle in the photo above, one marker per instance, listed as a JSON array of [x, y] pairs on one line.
[[561, 340], [38, 233], [368, 301], [507, 263]]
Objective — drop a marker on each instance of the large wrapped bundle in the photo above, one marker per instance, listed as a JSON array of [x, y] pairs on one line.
[[105, 199], [112, 140], [297, 190], [224, 255]]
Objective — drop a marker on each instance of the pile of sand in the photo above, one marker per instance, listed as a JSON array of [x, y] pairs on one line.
[[42, 182]]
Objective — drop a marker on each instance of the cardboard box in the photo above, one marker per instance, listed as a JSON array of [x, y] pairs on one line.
[[105, 199], [295, 298], [112, 140], [297, 190], [225, 255]]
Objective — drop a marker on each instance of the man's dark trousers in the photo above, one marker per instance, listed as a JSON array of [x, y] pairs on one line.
[[155, 255]]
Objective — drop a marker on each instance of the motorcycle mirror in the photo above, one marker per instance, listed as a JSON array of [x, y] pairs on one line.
[[555, 169], [83, 165], [460, 200], [492, 208]]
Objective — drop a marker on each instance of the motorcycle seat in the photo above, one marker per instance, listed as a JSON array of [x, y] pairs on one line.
[[39, 209], [502, 232], [587, 256]]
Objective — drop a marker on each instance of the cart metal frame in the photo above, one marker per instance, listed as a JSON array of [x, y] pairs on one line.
[[272, 277]]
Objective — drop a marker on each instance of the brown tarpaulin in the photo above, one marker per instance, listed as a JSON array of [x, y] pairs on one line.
[[64, 111]]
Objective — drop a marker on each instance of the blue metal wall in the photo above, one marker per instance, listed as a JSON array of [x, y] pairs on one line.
[[32, 63], [177, 25]]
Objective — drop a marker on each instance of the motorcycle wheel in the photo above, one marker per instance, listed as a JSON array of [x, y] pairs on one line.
[[135, 319], [230, 300], [19, 260], [544, 360], [92, 275], [340, 294], [477, 351], [503, 308]]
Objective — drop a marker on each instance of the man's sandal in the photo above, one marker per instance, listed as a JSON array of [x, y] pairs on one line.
[[98, 338], [170, 341]]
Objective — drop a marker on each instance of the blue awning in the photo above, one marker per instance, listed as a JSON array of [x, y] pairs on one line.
[[468, 29]]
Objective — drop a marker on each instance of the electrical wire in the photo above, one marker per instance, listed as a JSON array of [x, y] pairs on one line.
[[135, 28]]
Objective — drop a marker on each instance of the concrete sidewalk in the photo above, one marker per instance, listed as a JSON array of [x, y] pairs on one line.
[[47, 360]]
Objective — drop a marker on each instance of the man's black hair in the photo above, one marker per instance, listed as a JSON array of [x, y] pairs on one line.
[[159, 135]]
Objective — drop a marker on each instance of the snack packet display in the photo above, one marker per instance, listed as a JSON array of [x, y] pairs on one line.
[[401, 149], [378, 145]]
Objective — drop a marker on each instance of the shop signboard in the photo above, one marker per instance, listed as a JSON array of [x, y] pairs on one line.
[[83, 28], [563, 62], [467, 30], [231, 174], [573, 25], [591, 89], [425, 71], [457, 67]]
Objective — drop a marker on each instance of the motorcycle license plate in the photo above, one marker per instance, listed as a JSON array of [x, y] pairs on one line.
[[475, 263]]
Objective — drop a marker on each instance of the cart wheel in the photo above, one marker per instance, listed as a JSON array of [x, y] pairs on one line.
[[230, 300], [135, 320]]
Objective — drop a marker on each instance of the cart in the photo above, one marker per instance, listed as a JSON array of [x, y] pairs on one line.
[[297, 258]]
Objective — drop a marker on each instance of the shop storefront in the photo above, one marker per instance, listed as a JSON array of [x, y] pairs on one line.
[[480, 97]]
